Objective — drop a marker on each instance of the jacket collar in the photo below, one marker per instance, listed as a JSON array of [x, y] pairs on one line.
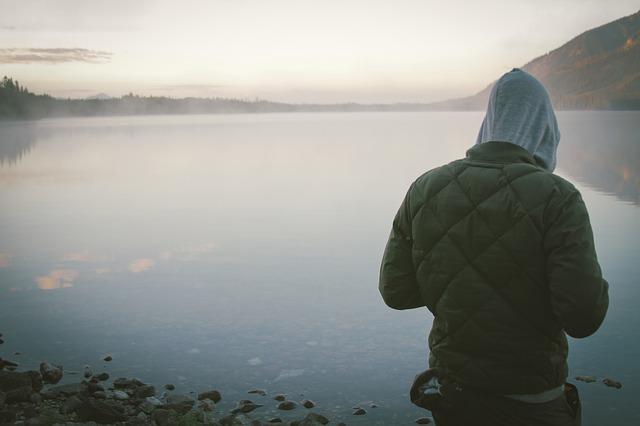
[[500, 152]]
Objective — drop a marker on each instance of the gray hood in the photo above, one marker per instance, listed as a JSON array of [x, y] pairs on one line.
[[520, 112]]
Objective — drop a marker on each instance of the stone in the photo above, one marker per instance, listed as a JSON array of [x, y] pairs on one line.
[[87, 372], [147, 407], [36, 398], [154, 401], [7, 417], [612, 383], [213, 395], [179, 403], [161, 416], [101, 411], [359, 412], [120, 395], [170, 386], [307, 403], [280, 397], [260, 392], [586, 379], [206, 405], [311, 419], [12, 380], [286, 405], [424, 421], [274, 420], [99, 395], [6, 363], [51, 374], [245, 406], [70, 405], [21, 394], [66, 390], [107, 358], [144, 391], [101, 377]]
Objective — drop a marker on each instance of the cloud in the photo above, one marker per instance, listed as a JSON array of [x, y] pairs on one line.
[[141, 265], [53, 55], [57, 278]]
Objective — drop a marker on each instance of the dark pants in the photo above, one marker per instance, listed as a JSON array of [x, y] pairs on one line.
[[489, 410]]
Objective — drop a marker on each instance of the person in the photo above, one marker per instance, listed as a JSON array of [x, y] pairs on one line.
[[501, 251]]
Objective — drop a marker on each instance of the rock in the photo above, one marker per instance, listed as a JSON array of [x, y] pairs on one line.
[[147, 407], [6, 363], [87, 372], [120, 395], [424, 421], [161, 416], [359, 412], [179, 403], [3, 398], [124, 383], [51, 373], [101, 377], [93, 386], [213, 395], [107, 358], [12, 380], [586, 379], [206, 405], [169, 386], [36, 398], [260, 392], [280, 397], [66, 390], [7, 417], [245, 406], [99, 395], [154, 401], [311, 419], [70, 405], [612, 383], [274, 420], [21, 394], [286, 405], [144, 391], [306, 403], [101, 411]]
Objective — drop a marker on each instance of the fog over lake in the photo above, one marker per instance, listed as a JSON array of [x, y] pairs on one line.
[[242, 251]]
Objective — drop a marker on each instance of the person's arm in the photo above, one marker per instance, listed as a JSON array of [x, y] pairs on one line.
[[398, 285], [579, 294]]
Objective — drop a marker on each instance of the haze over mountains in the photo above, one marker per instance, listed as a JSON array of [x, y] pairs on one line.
[[598, 69]]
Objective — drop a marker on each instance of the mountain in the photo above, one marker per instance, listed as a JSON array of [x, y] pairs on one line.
[[100, 96], [599, 69]]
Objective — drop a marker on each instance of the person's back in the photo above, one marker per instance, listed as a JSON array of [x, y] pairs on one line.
[[501, 252]]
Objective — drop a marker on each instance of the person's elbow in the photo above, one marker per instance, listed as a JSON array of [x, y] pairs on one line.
[[585, 322], [400, 299]]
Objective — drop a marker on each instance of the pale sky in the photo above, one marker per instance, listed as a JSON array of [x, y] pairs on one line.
[[285, 50]]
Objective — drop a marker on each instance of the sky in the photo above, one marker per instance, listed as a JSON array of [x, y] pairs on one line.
[[320, 51]]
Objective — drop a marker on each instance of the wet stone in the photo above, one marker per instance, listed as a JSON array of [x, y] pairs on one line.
[[280, 397], [586, 379], [170, 386], [70, 405], [359, 412], [101, 377], [306, 403], [424, 421], [286, 405], [274, 420], [245, 406], [213, 395], [144, 391], [120, 395], [260, 392], [612, 383]]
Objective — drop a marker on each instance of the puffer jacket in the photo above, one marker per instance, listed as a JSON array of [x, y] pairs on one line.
[[501, 252]]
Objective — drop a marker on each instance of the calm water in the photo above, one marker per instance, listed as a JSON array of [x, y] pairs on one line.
[[241, 251]]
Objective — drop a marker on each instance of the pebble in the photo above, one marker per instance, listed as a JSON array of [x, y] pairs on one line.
[[612, 383], [286, 405], [586, 379], [245, 406], [101, 377], [107, 358], [87, 372], [120, 395], [424, 421], [170, 386], [306, 403], [50, 373], [280, 397], [359, 412], [213, 395], [260, 392]]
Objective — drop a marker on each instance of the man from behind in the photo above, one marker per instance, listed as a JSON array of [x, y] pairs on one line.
[[501, 251]]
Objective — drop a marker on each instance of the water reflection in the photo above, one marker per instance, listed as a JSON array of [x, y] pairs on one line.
[[602, 150], [57, 278], [16, 140]]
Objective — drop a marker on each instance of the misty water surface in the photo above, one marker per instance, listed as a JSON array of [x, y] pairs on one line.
[[242, 251]]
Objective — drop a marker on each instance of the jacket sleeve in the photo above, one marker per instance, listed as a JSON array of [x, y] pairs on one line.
[[579, 294], [398, 285]]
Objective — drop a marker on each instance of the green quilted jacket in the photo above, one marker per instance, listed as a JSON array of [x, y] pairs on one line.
[[501, 252]]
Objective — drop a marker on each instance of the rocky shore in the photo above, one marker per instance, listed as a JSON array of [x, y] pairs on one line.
[[35, 398]]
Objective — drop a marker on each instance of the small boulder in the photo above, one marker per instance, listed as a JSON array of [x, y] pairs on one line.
[[586, 379], [144, 391], [213, 395], [245, 406], [70, 405], [101, 377], [87, 372], [179, 403], [612, 383], [170, 386], [280, 397], [424, 421], [120, 395], [108, 358], [306, 403], [359, 412], [286, 405], [101, 411]]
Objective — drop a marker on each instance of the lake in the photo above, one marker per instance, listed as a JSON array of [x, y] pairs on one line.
[[242, 251]]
